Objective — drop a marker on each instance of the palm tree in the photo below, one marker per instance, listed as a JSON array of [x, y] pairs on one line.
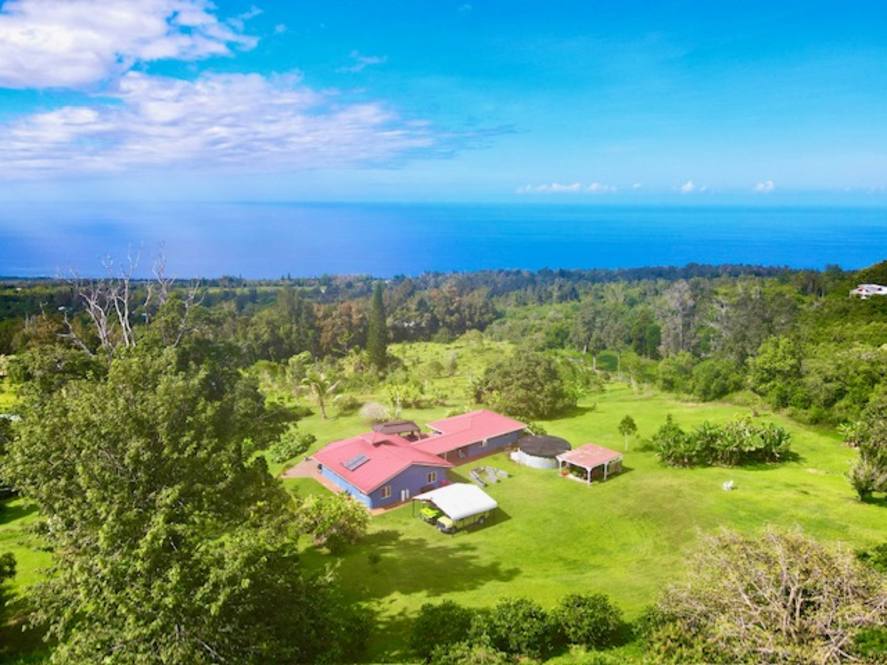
[[321, 386]]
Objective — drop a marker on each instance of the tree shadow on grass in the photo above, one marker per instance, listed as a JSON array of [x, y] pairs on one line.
[[406, 565], [11, 513]]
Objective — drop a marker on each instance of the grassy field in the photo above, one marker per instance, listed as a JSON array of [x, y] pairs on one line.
[[627, 537]]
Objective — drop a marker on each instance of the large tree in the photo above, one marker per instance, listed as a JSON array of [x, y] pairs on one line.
[[527, 385], [773, 598], [377, 333], [171, 545]]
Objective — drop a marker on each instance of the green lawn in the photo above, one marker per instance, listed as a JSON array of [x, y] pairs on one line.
[[626, 537]]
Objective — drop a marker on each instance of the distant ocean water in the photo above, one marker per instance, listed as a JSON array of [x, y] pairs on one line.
[[270, 240]]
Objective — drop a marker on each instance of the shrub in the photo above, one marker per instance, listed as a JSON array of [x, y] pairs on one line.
[[588, 620], [518, 626], [714, 378], [468, 653], [777, 597], [347, 404], [741, 441], [292, 443], [334, 520], [675, 372], [440, 625], [373, 412]]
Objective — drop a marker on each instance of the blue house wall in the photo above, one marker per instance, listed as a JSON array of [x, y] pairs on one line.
[[413, 478], [477, 449]]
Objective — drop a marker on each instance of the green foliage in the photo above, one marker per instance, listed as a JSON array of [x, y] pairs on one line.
[[738, 442], [775, 369], [869, 474], [517, 626], [588, 620], [334, 520], [7, 572], [377, 335], [528, 385], [875, 557], [777, 597], [292, 443], [714, 378], [468, 653], [675, 372], [169, 544], [438, 627]]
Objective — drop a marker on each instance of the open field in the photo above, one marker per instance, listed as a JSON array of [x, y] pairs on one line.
[[626, 537]]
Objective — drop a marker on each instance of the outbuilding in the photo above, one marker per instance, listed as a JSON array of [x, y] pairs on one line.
[[540, 452], [459, 504], [590, 462]]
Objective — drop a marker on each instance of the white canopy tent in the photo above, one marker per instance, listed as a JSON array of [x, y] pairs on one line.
[[460, 500]]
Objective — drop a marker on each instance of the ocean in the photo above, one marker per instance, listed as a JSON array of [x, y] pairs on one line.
[[270, 240]]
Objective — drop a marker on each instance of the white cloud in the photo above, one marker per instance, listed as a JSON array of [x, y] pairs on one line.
[[550, 188], [600, 188], [279, 29], [636, 186], [765, 187], [82, 43], [691, 187], [361, 62], [567, 188], [243, 120]]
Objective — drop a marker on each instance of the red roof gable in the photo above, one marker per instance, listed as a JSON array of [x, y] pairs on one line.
[[468, 428], [386, 455]]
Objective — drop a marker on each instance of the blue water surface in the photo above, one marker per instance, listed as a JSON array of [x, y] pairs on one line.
[[270, 240]]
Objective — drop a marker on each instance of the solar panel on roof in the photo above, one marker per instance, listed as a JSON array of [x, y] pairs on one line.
[[355, 462]]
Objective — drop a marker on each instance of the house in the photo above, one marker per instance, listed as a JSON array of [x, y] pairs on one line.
[[866, 291], [470, 435], [381, 469]]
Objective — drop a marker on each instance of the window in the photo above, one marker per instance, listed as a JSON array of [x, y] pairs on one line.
[[483, 444], [432, 477], [462, 452], [386, 492]]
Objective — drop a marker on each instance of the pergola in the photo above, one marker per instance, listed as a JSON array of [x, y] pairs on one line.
[[590, 457]]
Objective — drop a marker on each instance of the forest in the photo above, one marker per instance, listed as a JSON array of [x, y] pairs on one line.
[[145, 423]]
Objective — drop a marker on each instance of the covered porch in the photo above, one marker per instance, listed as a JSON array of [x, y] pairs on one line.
[[590, 462]]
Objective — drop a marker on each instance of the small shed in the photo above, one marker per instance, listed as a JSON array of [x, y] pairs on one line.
[[540, 452], [590, 462], [405, 428], [462, 504]]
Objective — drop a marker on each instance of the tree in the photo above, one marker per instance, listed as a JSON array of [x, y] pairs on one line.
[[292, 443], [676, 317], [467, 653], [322, 386], [627, 427], [774, 370], [439, 626], [527, 385], [334, 520], [775, 597], [588, 620], [869, 473], [377, 333], [170, 544]]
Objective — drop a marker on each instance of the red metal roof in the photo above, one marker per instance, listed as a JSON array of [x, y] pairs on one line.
[[589, 456], [468, 428], [386, 456]]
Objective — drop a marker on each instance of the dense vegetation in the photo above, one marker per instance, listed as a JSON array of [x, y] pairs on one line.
[[144, 413]]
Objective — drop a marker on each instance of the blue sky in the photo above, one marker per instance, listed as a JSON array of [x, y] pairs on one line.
[[598, 102]]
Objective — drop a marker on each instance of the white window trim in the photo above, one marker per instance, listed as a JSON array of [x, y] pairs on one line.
[[432, 476], [386, 491]]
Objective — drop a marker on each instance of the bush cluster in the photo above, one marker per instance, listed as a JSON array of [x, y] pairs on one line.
[[738, 442], [514, 627]]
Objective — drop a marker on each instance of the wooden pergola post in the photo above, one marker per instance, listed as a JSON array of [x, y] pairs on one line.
[[589, 475]]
